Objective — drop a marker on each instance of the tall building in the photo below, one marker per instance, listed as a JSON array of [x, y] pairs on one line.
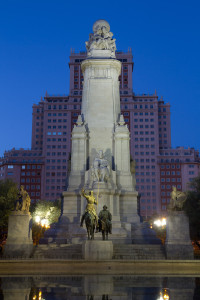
[[148, 119], [25, 167], [177, 168]]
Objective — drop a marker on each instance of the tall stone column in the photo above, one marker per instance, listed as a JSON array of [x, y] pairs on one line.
[[79, 155], [125, 180], [72, 198], [100, 104]]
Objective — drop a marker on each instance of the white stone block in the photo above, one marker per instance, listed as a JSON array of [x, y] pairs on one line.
[[178, 244], [97, 250], [19, 241]]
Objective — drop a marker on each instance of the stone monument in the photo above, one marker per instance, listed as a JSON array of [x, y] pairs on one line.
[[19, 242], [100, 157], [178, 244]]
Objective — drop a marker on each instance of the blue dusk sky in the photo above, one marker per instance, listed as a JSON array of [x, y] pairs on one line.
[[35, 41]]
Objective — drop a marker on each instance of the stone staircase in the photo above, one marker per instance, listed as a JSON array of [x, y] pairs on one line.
[[120, 251], [55, 251], [137, 252]]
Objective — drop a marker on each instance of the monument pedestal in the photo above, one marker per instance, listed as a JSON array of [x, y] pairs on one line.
[[97, 250], [19, 242], [178, 244]]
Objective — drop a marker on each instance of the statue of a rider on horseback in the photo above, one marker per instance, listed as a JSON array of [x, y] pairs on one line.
[[103, 223], [90, 215]]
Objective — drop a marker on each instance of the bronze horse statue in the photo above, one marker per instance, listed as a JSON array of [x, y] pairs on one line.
[[90, 225]]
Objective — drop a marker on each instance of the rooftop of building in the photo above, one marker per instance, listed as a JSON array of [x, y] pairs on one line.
[[20, 154], [84, 52], [53, 98], [123, 56]]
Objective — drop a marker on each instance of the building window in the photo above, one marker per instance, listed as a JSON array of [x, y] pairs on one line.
[[10, 173]]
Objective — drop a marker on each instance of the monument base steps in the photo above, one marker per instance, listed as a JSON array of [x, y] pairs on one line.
[[55, 251], [174, 251], [120, 251], [137, 252]]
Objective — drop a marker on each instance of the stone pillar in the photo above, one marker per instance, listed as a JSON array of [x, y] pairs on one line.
[[122, 158], [178, 244], [19, 242], [72, 198], [78, 156], [100, 103], [125, 180]]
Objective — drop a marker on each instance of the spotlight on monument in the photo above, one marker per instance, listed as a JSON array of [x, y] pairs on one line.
[[38, 297], [164, 295], [45, 223], [37, 219], [160, 222]]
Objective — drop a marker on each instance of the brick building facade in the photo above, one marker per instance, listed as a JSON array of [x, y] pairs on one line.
[[148, 119]]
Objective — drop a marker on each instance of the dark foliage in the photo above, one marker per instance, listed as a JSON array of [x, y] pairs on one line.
[[192, 208], [8, 196]]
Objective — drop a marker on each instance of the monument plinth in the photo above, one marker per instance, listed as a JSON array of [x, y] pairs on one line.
[[97, 250], [178, 244], [19, 242]]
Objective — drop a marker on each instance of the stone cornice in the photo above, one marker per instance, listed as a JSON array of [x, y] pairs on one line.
[[101, 62]]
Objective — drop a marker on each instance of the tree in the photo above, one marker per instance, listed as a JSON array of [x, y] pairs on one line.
[[192, 208], [47, 211], [8, 196]]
